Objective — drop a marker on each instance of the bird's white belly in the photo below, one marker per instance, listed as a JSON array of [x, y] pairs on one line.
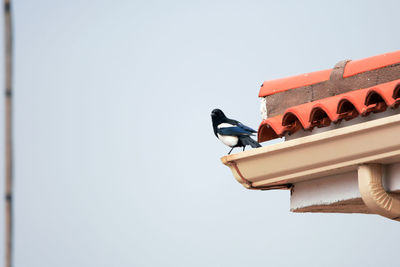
[[228, 140]]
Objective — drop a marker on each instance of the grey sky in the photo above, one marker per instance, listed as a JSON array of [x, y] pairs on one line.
[[116, 162]]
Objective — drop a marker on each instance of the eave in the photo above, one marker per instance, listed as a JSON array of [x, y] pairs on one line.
[[306, 158]]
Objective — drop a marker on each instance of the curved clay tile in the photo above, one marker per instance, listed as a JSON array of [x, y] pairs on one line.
[[385, 94], [279, 85], [373, 97], [301, 112], [291, 123], [319, 117], [270, 128], [356, 98], [328, 105], [374, 102], [346, 110], [371, 63]]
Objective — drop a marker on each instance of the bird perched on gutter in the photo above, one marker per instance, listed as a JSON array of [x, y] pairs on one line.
[[231, 132]]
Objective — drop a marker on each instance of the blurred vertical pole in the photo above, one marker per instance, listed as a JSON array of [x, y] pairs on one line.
[[8, 134]]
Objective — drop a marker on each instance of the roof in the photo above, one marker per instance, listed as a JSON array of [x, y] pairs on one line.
[[333, 109], [352, 68]]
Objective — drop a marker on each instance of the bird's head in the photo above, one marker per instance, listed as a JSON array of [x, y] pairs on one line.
[[217, 114]]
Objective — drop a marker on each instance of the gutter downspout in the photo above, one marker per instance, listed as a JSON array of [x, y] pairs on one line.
[[374, 195]]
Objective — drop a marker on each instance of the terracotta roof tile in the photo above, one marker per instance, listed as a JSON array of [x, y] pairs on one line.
[[346, 109], [330, 106], [279, 85], [300, 113], [351, 68], [271, 128], [371, 63], [322, 112], [356, 98]]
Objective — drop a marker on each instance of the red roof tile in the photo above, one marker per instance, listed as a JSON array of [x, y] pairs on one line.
[[325, 109], [351, 68], [356, 98], [271, 128], [371, 63], [299, 113], [279, 85], [322, 112]]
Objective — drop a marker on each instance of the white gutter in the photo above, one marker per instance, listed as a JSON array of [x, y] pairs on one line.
[[333, 152]]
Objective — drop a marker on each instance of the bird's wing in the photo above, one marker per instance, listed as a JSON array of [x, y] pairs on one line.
[[247, 128], [241, 125], [236, 131]]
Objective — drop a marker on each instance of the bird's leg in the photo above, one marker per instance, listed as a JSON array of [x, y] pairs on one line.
[[230, 151], [244, 147]]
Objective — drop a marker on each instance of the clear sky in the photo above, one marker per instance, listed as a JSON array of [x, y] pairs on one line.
[[116, 161]]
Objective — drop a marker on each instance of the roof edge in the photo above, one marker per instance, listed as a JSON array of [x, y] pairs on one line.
[[280, 164], [351, 68]]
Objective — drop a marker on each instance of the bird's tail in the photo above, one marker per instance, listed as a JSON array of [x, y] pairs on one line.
[[248, 141]]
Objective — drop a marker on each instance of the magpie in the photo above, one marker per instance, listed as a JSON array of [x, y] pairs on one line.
[[231, 132]]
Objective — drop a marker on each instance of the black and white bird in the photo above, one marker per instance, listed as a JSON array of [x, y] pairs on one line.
[[231, 132]]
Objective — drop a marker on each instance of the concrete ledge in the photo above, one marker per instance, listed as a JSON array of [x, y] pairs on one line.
[[338, 193]]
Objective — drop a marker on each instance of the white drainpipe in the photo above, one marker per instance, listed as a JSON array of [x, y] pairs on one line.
[[374, 195]]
